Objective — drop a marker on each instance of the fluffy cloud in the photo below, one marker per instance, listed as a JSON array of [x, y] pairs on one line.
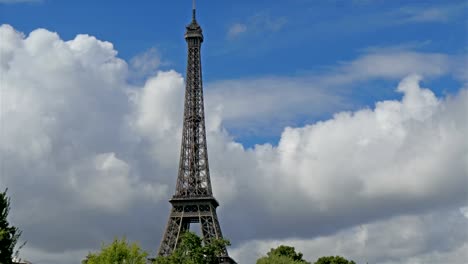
[[398, 240], [400, 157], [53, 115], [88, 156], [146, 63], [276, 102], [236, 29], [65, 142], [392, 64], [259, 24], [157, 115]]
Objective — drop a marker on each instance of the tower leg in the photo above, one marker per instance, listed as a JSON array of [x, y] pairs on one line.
[[179, 221], [171, 236]]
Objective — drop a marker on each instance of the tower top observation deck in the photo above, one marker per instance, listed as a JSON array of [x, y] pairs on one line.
[[194, 30]]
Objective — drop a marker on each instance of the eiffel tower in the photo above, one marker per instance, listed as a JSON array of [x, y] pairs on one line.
[[193, 201]]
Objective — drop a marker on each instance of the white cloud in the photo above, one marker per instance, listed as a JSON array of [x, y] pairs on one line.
[[441, 13], [391, 64], [105, 182], [399, 240], [236, 30], [145, 64], [274, 102], [65, 143], [157, 115], [383, 158], [260, 24], [405, 14], [270, 100], [78, 142], [464, 211]]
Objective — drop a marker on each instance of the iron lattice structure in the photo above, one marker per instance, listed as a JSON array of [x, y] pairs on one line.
[[193, 201]]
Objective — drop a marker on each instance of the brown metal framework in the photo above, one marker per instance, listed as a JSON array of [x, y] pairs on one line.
[[193, 201]]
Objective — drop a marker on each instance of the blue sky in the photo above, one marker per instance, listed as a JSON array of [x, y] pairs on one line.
[[302, 35], [308, 34], [281, 39], [341, 124], [251, 39]]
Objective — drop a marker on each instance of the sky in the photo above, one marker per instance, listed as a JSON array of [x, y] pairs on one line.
[[336, 127]]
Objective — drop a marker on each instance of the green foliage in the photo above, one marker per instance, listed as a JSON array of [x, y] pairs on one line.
[[278, 260], [9, 235], [334, 260], [193, 251], [282, 254], [118, 252]]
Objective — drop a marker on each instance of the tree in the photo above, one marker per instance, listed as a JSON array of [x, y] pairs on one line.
[[118, 252], [282, 254], [9, 235], [334, 260], [275, 259], [192, 250]]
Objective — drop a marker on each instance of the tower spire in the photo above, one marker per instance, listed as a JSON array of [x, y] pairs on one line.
[[194, 8]]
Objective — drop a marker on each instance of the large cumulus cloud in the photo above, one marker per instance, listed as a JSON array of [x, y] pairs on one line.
[[65, 144], [400, 239], [88, 156]]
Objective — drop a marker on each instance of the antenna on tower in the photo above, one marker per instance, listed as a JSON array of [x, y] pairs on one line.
[[193, 10]]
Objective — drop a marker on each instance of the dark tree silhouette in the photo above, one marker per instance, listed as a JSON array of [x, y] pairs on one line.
[[9, 235]]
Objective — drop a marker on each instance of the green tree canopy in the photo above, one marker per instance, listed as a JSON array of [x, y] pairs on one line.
[[275, 259], [9, 235], [334, 260], [192, 250], [118, 252], [282, 254]]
